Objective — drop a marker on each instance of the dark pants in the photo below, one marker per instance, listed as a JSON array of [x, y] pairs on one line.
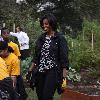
[[46, 85], [6, 90], [24, 54], [20, 89]]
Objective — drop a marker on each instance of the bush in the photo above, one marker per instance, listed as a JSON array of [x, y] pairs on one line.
[[81, 54], [25, 64]]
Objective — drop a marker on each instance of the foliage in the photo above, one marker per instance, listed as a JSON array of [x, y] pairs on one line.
[[73, 75], [25, 64], [81, 54], [90, 9], [33, 35], [91, 27], [67, 11], [64, 10]]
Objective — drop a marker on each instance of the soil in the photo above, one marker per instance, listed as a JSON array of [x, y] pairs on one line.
[[89, 84]]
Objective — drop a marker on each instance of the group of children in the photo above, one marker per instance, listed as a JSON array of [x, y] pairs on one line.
[[11, 81]]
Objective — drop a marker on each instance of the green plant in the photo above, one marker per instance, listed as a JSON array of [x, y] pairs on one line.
[[81, 54], [73, 75], [25, 64]]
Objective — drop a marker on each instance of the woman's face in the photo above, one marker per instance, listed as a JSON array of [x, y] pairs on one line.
[[46, 26], [17, 29]]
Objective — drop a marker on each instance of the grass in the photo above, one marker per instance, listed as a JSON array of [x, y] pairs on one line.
[[32, 95]]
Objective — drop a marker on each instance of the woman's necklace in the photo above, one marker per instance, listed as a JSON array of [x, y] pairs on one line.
[[51, 34]]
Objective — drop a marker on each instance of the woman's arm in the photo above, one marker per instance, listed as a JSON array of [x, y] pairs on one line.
[[63, 55], [13, 34], [33, 65]]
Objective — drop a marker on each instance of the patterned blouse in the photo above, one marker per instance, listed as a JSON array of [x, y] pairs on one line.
[[46, 61]]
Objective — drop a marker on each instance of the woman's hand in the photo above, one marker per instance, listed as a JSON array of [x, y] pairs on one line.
[[65, 73], [32, 67]]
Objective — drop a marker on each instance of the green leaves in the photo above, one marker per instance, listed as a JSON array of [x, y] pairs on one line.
[[25, 64], [73, 75], [81, 54]]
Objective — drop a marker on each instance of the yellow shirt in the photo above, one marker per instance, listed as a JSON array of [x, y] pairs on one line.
[[15, 47], [13, 64], [3, 69]]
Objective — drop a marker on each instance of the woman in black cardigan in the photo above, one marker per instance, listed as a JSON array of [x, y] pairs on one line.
[[51, 59]]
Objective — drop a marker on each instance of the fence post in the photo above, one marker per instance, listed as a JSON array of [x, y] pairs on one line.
[[92, 44], [14, 27], [83, 34], [4, 24], [72, 44]]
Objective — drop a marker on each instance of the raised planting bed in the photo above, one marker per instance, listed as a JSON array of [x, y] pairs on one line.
[[88, 88], [70, 94]]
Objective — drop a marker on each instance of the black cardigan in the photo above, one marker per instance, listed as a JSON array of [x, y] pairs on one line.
[[58, 49]]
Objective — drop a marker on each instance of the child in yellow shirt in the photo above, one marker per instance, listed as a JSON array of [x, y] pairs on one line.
[[6, 87], [13, 67], [11, 60], [6, 37], [3, 69]]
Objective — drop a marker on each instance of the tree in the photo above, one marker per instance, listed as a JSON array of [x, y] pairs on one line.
[[64, 10], [90, 9]]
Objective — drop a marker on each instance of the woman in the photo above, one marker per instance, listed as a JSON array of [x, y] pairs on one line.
[[23, 40], [51, 58]]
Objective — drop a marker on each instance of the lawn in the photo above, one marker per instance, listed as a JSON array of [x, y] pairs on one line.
[[32, 95]]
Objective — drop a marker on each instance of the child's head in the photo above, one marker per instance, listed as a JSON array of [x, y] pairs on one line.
[[5, 33]]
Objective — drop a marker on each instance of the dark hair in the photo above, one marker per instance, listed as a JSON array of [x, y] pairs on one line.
[[10, 49], [4, 45], [4, 29], [19, 27], [51, 19]]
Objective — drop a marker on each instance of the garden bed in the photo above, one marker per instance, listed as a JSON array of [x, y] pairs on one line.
[[70, 94], [87, 89]]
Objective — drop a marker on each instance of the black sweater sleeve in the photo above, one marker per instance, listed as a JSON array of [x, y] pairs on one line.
[[63, 52], [35, 55]]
